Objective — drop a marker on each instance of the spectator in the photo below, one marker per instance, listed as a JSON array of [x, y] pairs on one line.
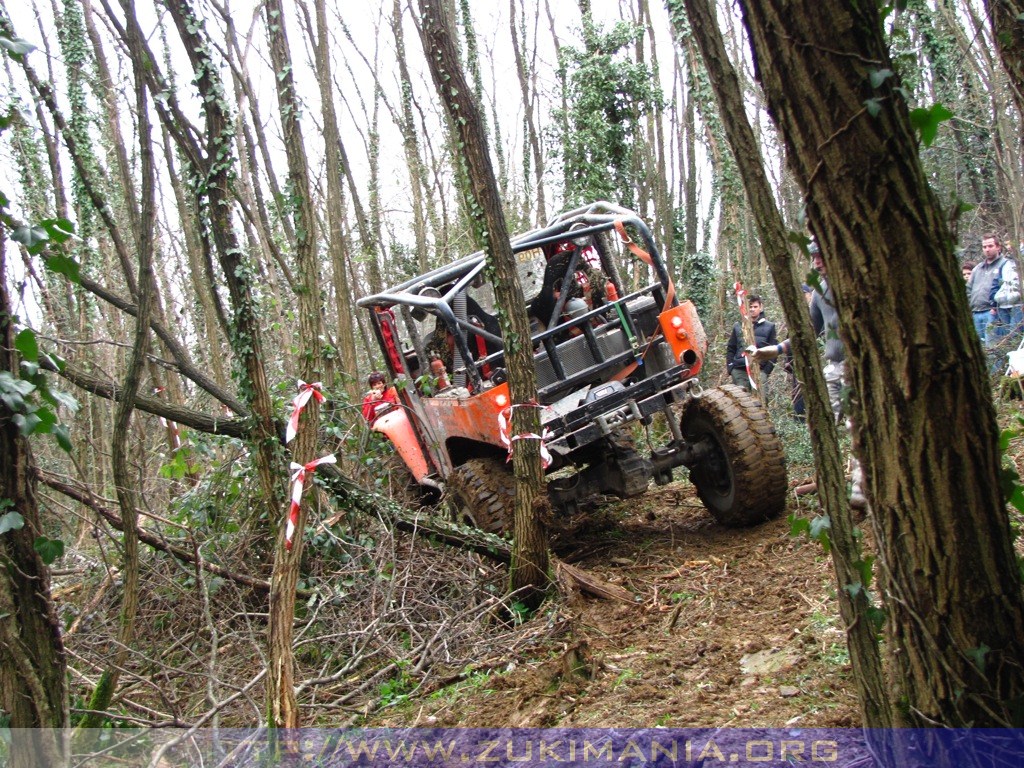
[[994, 293], [764, 335], [967, 268], [380, 399], [825, 319]]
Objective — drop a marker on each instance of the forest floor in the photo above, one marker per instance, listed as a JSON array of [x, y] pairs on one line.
[[728, 627]]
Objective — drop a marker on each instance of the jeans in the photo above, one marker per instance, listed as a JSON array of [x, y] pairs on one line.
[[1002, 335]]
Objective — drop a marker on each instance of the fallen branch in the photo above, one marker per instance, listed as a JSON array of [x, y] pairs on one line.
[[201, 422], [151, 539], [590, 584]]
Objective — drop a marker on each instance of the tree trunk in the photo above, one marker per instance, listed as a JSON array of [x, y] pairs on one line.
[[282, 707], [532, 133], [218, 168], [335, 211], [143, 226], [854, 605], [926, 432], [1008, 30], [530, 550], [33, 685]]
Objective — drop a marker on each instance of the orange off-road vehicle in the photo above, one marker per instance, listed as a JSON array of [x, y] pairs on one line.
[[606, 360]]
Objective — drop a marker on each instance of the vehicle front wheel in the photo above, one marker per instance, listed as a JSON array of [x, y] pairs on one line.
[[482, 493], [741, 475]]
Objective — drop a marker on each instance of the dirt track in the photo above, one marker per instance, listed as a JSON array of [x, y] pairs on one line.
[[728, 628]]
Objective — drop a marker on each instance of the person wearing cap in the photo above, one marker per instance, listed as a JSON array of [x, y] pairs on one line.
[[764, 335], [825, 320], [380, 399]]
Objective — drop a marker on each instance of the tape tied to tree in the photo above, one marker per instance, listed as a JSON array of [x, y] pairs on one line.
[[306, 391], [299, 474], [741, 300], [505, 416]]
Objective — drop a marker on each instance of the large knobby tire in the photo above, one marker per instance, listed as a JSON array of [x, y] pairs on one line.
[[482, 493], [742, 478]]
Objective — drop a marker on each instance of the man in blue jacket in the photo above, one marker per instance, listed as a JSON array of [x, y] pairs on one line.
[[764, 335]]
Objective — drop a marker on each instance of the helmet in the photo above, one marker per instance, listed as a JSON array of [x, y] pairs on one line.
[[812, 247], [375, 377]]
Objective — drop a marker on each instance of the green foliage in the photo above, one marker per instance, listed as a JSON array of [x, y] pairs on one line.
[[607, 93], [16, 47], [397, 689], [48, 549], [11, 521], [22, 396], [701, 276], [927, 121]]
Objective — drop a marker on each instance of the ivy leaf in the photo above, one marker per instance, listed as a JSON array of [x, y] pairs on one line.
[[863, 567], [977, 655], [16, 47], [873, 106], [58, 398], [48, 549], [798, 525], [879, 76], [64, 265], [820, 526], [59, 230], [27, 422], [32, 237], [12, 521], [63, 436], [25, 342], [927, 121]]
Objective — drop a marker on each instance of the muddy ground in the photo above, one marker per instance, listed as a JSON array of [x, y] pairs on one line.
[[727, 628]]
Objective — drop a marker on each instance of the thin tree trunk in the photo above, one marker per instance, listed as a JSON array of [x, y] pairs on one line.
[[530, 550], [282, 706], [127, 495], [1007, 17]]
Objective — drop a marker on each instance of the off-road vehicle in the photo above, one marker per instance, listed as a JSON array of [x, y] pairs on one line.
[[607, 360]]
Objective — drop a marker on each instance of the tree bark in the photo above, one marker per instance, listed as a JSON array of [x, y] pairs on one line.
[[530, 549], [854, 605], [33, 685], [282, 706], [926, 431], [1007, 17]]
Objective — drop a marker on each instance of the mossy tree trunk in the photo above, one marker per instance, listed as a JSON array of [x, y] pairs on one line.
[[530, 551]]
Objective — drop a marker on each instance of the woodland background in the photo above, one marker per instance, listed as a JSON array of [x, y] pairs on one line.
[[295, 158]]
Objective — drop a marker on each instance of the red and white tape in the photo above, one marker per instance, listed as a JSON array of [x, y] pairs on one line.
[[299, 474], [306, 391], [505, 416]]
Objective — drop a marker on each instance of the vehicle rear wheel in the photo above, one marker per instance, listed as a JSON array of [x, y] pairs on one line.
[[482, 493], [741, 477]]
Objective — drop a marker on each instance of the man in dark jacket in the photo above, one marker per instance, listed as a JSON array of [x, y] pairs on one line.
[[764, 335]]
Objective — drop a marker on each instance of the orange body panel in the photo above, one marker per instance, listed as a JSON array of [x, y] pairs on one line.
[[474, 418], [684, 332], [395, 425]]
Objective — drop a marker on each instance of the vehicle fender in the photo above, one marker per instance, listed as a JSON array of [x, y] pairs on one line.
[[684, 332], [397, 427]]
